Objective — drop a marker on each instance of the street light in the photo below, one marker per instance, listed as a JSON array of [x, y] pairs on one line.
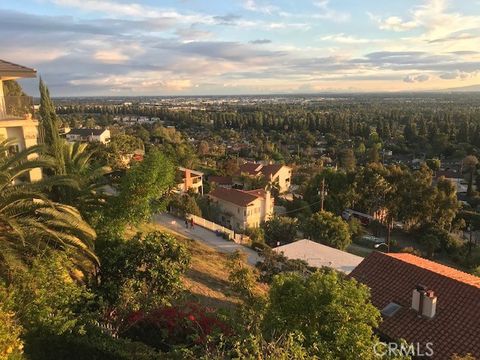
[[376, 246]]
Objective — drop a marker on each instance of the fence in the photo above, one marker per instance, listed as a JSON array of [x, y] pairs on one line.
[[219, 229], [232, 235]]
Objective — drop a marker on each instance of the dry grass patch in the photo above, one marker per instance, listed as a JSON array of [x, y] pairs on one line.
[[207, 279]]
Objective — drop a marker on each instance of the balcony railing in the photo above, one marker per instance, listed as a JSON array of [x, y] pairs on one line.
[[16, 107]]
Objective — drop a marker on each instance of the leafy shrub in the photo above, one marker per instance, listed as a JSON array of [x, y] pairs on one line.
[[185, 204], [47, 299], [11, 346], [326, 228], [142, 273], [259, 246], [274, 263], [411, 250], [256, 235], [186, 325], [281, 230], [97, 347], [356, 228], [333, 314]]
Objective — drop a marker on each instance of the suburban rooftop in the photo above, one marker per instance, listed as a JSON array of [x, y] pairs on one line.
[[455, 325]]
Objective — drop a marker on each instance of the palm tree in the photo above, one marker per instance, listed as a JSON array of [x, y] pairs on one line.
[[87, 192], [470, 164], [29, 220]]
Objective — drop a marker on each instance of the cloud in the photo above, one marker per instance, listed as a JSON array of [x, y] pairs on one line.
[[165, 51], [393, 23], [260, 41], [433, 16], [327, 13], [253, 5], [191, 34], [229, 19], [110, 56], [455, 37], [347, 39], [416, 78], [455, 75]]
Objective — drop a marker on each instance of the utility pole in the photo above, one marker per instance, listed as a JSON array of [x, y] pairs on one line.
[[389, 231], [322, 195]]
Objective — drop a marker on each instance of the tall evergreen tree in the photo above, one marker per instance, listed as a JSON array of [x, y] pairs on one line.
[[49, 134]]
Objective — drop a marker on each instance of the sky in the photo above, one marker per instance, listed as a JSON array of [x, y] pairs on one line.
[[217, 47]]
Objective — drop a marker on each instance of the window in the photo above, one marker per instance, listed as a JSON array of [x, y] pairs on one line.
[[12, 150]]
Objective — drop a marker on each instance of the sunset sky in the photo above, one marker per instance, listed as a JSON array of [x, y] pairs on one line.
[[155, 47]]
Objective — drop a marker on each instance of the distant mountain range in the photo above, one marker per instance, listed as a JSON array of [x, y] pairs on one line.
[[471, 88]]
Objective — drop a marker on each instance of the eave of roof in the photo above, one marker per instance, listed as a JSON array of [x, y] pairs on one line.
[[10, 71], [234, 196]]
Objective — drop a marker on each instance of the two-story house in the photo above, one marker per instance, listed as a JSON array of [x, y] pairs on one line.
[[189, 180], [243, 209], [16, 113], [277, 175]]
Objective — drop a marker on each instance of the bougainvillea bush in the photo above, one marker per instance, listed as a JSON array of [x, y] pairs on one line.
[[188, 324]]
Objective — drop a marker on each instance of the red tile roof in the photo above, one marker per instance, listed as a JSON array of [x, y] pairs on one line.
[[250, 168], [235, 196], [456, 325], [257, 169], [271, 170], [449, 174], [221, 180], [258, 193]]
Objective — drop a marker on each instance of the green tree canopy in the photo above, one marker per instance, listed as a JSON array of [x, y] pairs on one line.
[[334, 314], [142, 191], [143, 272], [326, 228], [280, 229]]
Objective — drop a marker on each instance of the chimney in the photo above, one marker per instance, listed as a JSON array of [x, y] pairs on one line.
[[424, 302], [429, 304], [269, 202]]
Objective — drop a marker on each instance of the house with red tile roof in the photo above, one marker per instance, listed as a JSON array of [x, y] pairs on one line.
[[242, 209], [423, 302], [222, 181], [278, 174]]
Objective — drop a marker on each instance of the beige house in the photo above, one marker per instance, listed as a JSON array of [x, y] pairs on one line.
[[16, 113], [276, 174], [189, 180], [243, 209]]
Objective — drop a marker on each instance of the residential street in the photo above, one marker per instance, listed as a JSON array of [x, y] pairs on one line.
[[206, 236]]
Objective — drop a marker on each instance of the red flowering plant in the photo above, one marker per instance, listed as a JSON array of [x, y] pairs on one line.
[[188, 324]]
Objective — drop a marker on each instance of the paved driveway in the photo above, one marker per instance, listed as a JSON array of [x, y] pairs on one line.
[[205, 236]]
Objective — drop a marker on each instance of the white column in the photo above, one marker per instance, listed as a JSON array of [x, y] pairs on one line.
[[3, 111]]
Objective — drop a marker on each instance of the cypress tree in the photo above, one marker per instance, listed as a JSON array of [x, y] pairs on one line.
[[49, 134]]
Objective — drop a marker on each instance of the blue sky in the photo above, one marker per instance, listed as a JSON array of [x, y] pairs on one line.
[[154, 47]]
